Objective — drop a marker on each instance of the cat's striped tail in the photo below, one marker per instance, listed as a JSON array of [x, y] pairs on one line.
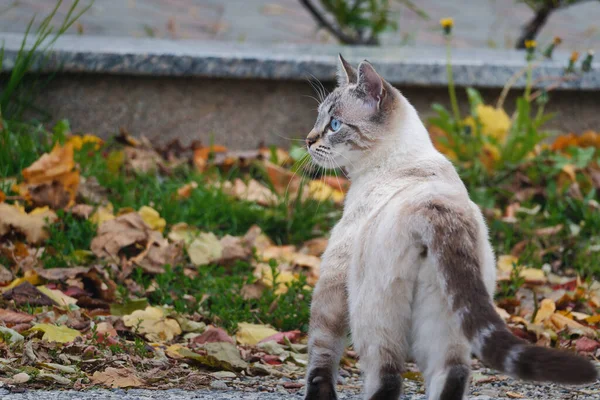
[[451, 238]]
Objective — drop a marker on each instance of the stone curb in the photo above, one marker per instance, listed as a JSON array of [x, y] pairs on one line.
[[485, 68]]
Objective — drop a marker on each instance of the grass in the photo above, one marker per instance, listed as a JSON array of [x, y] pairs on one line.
[[217, 291]]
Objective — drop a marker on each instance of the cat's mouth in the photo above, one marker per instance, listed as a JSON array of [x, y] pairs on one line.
[[321, 155]]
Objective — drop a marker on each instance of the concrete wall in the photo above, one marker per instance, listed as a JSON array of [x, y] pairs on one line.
[[239, 113]]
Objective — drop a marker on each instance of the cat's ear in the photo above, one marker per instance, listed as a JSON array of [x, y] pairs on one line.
[[370, 83], [346, 73]]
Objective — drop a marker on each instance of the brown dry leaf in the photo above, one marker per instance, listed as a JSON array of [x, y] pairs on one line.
[[10, 317], [116, 378], [253, 191], [234, 248], [32, 225], [560, 322], [90, 191], [282, 156], [52, 180], [26, 293], [84, 211], [143, 160], [185, 191], [5, 275], [314, 247], [252, 291], [130, 231], [283, 180], [61, 274], [2, 196], [514, 395], [153, 323], [549, 231]]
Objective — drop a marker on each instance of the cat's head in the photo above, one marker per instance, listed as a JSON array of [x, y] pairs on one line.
[[352, 118]]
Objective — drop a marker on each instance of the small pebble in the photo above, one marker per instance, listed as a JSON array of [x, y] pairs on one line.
[[219, 385], [224, 375]]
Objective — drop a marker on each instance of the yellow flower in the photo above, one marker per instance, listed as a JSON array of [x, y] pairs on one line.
[[530, 44], [494, 122], [574, 56], [447, 22], [78, 141]]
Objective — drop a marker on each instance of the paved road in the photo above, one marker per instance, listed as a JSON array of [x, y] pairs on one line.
[[172, 395], [479, 23]]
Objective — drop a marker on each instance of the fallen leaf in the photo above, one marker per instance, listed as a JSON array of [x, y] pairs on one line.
[[280, 337], [505, 265], [57, 296], [143, 161], [2, 196], [26, 293], [61, 274], [32, 225], [128, 307], [21, 378], [150, 250], [153, 323], [560, 322], [213, 335], [56, 333], [5, 275], [547, 308], [185, 191], [253, 192], [514, 395], [586, 345], [252, 334], [51, 177], [11, 335], [202, 247], [116, 378], [10, 317], [152, 218], [202, 155], [103, 214], [233, 248], [321, 191], [221, 355]]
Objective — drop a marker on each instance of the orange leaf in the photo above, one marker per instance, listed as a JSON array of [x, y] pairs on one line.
[[2, 196], [202, 154]]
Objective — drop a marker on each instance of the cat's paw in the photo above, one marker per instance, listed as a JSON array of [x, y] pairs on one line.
[[320, 386]]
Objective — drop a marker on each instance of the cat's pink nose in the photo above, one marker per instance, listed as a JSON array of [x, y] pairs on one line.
[[310, 141]]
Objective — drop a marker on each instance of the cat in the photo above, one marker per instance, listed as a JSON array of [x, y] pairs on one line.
[[409, 269]]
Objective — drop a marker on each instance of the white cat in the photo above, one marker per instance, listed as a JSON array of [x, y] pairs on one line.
[[409, 269]]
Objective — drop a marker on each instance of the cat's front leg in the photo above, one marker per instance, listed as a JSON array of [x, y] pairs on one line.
[[327, 334]]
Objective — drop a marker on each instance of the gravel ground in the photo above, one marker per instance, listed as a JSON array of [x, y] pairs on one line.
[[486, 385]]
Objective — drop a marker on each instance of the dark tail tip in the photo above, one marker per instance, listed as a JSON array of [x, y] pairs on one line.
[[543, 364]]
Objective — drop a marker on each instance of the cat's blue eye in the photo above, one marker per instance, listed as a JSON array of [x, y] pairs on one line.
[[335, 125]]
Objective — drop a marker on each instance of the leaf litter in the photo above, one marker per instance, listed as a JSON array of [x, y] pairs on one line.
[[96, 323]]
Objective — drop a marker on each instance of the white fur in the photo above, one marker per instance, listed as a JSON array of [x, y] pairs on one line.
[[396, 304]]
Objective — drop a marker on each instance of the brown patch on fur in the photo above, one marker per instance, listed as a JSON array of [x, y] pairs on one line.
[[454, 244], [456, 382], [390, 384], [542, 364]]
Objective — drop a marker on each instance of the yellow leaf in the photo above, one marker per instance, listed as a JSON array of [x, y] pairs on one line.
[[494, 122], [153, 323], [569, 170], [116, 378], [103, 214], [560, 322], [533, 275], [321, 191], [594, 319], [265, 276], [185, 191], [251, 334], [202, 247], [29, 276], [57, 296], [56, 333], [547, 308], [115, 161], [152, 218], [173, 351], [504, 267]]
